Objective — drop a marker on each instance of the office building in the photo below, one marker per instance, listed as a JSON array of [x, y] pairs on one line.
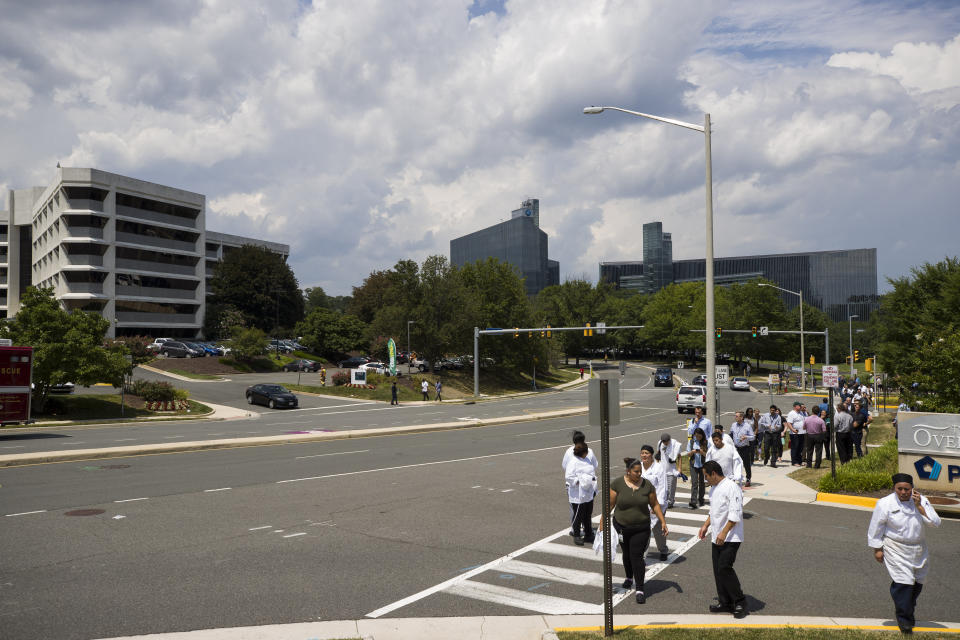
[[839, 282], [518, 241], [134, 251]]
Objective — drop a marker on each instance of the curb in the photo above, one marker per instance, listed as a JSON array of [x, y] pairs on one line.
[[839, 498], [41, 457]]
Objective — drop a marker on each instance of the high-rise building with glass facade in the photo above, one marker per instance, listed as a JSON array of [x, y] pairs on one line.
[[519, 241], [839, 283]]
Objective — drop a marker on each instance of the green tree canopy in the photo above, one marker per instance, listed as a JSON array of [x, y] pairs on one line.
[[67, 347], [330, 333], [260, 285]]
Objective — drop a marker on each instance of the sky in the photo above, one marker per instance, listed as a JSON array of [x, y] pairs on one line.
[[366, 132]]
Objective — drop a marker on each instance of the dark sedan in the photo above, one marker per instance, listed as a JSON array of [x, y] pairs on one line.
[[353, 363], [663, 377], [272, 395], [302, 365]]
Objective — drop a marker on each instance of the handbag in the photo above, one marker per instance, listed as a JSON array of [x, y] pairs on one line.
[[598, 545]]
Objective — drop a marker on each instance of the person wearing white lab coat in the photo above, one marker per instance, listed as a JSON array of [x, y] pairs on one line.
[[581, 488], [668, 455], [654, 472], [578, 437], [726, 456], [898, 540]]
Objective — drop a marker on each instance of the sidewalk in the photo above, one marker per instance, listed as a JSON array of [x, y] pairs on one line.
[[527, 627]]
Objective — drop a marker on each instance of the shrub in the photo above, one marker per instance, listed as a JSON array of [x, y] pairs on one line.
[[157, 391], [340, 378], [869, 473]]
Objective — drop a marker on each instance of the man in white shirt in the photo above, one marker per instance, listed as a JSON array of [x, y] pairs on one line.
[[726, 456], [794, 424], [743, 439], [896, 535], [669, 454], [725, 523]]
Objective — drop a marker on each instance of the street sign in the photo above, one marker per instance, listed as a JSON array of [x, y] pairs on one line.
[[601, 328], [623, 368], [831, 376], [773, 380], [723, 374], [764, 331], [680, 364]]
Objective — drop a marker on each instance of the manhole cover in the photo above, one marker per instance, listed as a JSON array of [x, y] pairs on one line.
[[939, 500], [84, 512]]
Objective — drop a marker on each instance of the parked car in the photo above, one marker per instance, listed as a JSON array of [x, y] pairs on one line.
[[302, 365], [209, 349], [374, 367], [740, 384], [700, 380], [663, 377], [278, 345], [66, 387], [690, 397], [155, 345], [176, 349], [272, 395], [197, 350], [352, 363]]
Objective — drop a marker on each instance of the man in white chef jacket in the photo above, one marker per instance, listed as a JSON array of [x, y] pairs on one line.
[[725, 523], [897, 537], [669, 453]]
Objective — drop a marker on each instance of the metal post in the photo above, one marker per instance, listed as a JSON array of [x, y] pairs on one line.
[[803, 363], [711, 327], [476, 362], [123, 387], [605, 501], [833, 438]]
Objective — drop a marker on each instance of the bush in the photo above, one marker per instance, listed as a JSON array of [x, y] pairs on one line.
[[340, 378], [157, 391], [869, 473]]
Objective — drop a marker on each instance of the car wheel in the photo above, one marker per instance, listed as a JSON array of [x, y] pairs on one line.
[[679, 410], [272, 404], [422, 368], [249, 399]]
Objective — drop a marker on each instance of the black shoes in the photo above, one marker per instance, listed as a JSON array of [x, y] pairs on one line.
[[628, 583], [720, 608], [663, 557], [692, 505], [641, 599], [740, 611], [577, 540]]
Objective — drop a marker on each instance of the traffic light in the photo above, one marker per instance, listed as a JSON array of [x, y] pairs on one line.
[[588, 331], [543, 333], [847, 359], [868, 364], [812, 360], [529, 334], [516, 332], [719, 331], [856, 355], [753, 332], [549, 333]]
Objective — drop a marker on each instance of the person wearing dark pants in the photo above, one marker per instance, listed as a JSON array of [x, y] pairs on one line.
[[697, 452], [725, 523], [634, 498], [861, 421], [843, 427], [815, 439], [771, 425], [743, 439], [581, 478], [896, 535], [794, 425]]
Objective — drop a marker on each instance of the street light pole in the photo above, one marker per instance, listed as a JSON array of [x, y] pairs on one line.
[[409, 322], [850, 320], [803, 365], [710, 326]]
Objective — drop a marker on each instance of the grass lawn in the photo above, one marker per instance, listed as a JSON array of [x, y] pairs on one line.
[[881, 430], [106, 407], [629, 633], [195, 376]]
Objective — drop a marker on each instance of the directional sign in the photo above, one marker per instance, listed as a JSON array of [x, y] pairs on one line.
[[680, 364], [723, 374], [601, 328], [831, 376], [764, 331], [773, 380]]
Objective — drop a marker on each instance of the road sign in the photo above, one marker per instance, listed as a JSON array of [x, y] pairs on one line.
[[680, 364], [831, 375], [623, 368], [764, 331], [723, 374], [601, 328], [773, 380]]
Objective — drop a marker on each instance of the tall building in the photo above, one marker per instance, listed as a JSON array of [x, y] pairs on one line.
[[839, 283], [134, 251], [518, 241]]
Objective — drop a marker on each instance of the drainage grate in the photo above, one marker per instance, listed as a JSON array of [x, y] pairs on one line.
[[84, 512]]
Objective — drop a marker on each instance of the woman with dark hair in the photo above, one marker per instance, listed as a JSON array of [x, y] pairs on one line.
[[633, 498], [581, 488], [655, 472], [697, 448], [896, 535]]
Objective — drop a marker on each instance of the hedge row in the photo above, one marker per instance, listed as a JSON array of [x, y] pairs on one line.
[[157, 391], [869, 473]]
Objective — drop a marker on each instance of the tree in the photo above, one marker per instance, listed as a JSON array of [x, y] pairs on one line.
[[371, 296], [330, 333], [248, 343], [314, 298], [260, 285], [574, 304], [67, 347]]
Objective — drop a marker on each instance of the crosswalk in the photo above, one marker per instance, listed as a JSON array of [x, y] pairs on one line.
[[554, 576]]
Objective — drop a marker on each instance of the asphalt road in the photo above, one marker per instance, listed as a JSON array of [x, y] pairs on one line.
[[342, 529]]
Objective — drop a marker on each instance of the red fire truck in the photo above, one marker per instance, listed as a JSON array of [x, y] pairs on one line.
[[16, 369]]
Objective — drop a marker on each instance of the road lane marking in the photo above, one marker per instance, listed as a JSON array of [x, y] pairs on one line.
[[124, 439], [339, 453], [539, 602], [25, 513], [294, 535], [266, 526], [220, 489], [131, 500]]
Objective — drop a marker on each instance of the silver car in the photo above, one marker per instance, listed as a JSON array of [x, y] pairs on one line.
[[740, 384], [691, 397]]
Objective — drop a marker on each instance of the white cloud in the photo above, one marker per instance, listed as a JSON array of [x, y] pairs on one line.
[[920, 66]]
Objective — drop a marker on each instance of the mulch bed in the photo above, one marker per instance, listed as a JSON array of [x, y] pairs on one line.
[[209, 365]]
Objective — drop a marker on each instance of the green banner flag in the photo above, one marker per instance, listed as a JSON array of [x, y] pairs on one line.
[[392, 353]]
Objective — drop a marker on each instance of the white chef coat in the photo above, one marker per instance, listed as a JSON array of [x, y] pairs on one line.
[[581, 480], [568, 454], [729, 460], [658, 478], [726, 505], [670, 451], [897, 528]]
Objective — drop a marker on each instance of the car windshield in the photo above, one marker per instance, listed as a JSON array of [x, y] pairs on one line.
[[693, 391], [274, 388], [740, 380]]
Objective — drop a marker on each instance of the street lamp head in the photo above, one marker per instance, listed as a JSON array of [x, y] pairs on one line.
[[589, 110], [854, 316], [762, 284]]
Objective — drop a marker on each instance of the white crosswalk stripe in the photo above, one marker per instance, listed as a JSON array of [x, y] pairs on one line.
[[558, 549]]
